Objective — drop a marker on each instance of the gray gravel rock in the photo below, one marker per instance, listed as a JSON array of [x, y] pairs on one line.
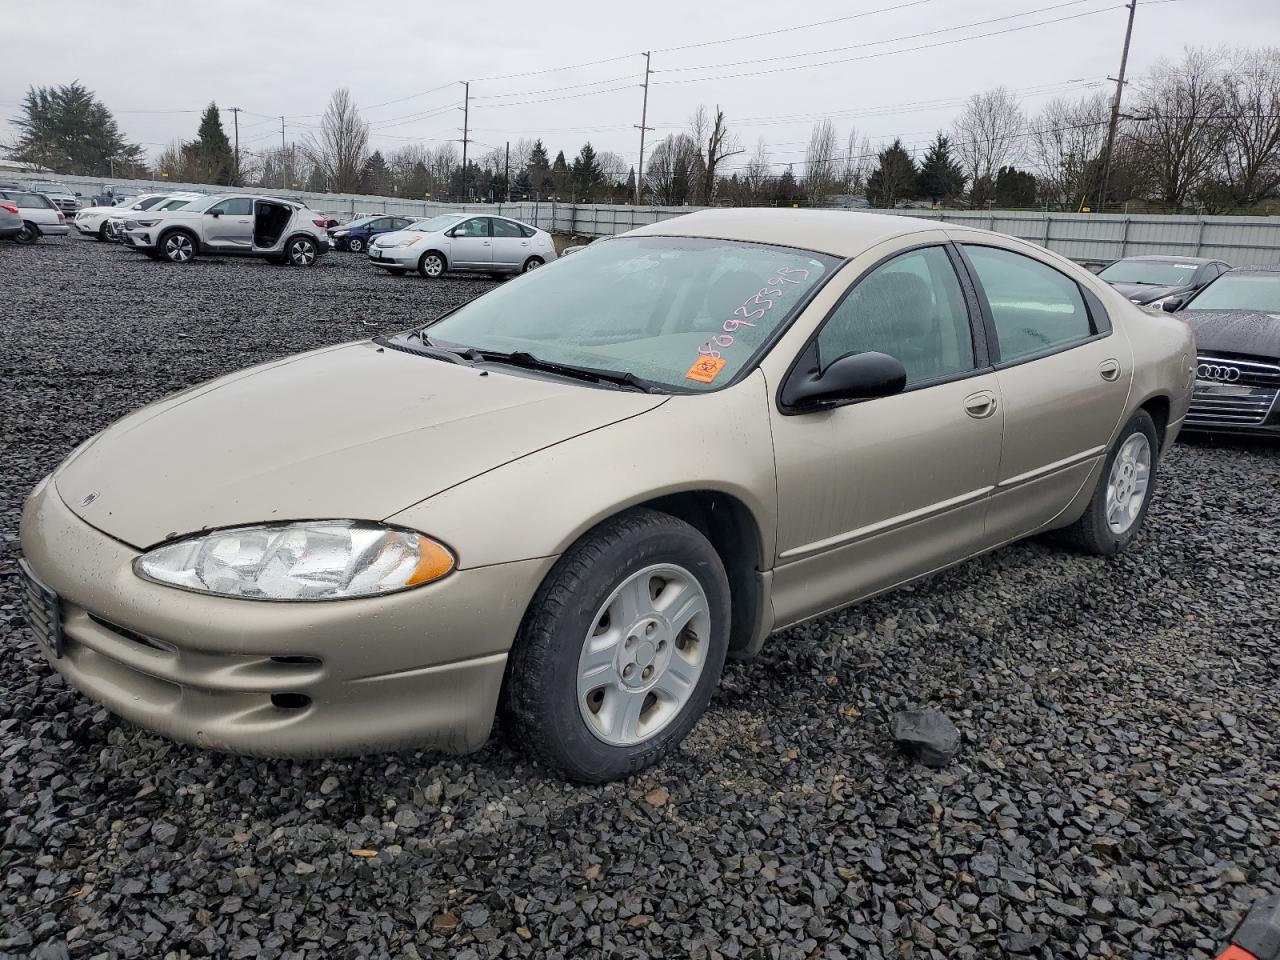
[[1118, 795]]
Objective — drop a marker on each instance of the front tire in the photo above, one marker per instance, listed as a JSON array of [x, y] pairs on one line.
[[355, 245], [432, 265], [621, 648], [178, 247], [1119, 505], [102, 233], [302, 252]]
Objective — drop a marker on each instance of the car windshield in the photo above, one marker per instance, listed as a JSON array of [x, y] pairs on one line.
[[49, 186], [431, 225], [1158, 273], [174, 204], [685, 312], [1241, 291]]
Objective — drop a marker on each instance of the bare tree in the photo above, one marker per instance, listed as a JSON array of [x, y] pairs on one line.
[[1251, 152], [283, 168], [758, 174], [612, 166], [820, 173], [1065, 145], [988, 135], [1181, 132], [669, 171], [171, 164], [720, 144], [341, 146], [855, 166]]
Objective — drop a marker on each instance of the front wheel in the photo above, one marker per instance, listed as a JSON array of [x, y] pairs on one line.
[[355, 245], [431, 265], [30, 233], [178, 247], [103, 236], [1119, 505], [302, 252], [621, 648]]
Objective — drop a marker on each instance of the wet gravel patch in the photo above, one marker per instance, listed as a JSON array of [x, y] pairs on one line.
[[1116, 794]]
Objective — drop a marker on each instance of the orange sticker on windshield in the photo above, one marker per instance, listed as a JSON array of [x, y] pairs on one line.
[[706, 369]]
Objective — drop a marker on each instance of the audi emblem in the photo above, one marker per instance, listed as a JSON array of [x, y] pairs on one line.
[[1215, 371]]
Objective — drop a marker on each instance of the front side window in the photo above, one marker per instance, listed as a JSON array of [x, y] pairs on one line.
[[234, 207], [475, 227], [1150, 273], [686, 312], [146, 203], [911, 308], [1035, 308]]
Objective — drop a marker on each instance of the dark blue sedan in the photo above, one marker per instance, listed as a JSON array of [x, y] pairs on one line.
[[355, 236]]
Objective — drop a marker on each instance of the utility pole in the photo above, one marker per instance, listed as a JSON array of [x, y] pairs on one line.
[[1115, 110], [235, 111], [507, 175], [466, 129], [282, 145], [644, 117]]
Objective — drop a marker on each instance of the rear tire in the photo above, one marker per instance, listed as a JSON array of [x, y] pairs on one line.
[[432, 265], [1120, 502], [301, 252], [355, 245], [30, 233], [605, 678], [178, 246], [533, 263]]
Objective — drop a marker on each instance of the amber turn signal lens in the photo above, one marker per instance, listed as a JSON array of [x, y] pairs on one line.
[[434, 561]]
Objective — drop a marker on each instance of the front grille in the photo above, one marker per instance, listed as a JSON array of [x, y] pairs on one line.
[[1232, 392], [43, 610]]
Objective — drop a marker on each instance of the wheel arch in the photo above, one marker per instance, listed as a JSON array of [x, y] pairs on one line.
[[178, 228], [1158, 407], [438, 252]]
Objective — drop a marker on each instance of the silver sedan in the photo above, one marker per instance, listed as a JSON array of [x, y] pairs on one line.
[[455, 241]]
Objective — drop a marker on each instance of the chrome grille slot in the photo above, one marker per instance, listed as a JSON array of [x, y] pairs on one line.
[[1231, 392]]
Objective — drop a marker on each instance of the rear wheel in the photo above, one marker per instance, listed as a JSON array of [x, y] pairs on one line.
[[355, 245], [1119, 505], [301, 252], [621, 648], [431, 265], [178, 247], [30, 233], [533, 263]]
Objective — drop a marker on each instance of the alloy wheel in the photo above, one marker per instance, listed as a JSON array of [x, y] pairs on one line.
[[178, 248], [1127, 485], [432, 265], [355, 245], [644, 654], [302, 252]]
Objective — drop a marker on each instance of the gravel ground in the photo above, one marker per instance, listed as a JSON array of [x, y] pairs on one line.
[[1117, 792]]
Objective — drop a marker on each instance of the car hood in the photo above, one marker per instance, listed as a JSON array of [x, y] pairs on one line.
[[1145, 292], [1250, 332], [393, 237], [353, 432]]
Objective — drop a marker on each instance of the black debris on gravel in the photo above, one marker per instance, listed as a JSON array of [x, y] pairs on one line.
[[1117, 794], [926, 735]]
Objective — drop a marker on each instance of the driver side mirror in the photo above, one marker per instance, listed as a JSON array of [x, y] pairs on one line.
[[1169, 306], [215, 213], [847, 379]]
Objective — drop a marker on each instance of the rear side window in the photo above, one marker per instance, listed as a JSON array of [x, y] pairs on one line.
[[505, 228], [1035, 308], [911, 308], [527, 231], [30, 200]]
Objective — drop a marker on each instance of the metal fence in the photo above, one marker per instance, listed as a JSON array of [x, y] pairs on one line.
[[1087, 238]]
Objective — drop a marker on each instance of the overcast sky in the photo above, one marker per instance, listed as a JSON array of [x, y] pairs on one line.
[[904, 68]]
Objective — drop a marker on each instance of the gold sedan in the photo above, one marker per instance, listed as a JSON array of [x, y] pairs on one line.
[[577, 494]]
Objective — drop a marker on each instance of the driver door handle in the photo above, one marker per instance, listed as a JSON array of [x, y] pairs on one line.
[[1109, 369], [980, 405]]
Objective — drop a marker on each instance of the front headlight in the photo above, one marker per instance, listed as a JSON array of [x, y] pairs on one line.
[[408, 243], [341, 233], [310, 560], [146, 223]]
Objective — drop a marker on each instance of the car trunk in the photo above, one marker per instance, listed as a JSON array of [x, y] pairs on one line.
[[269, 222]]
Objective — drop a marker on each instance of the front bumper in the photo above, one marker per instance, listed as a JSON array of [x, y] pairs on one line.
[[140, 239], [1233, 395], [406, 257], [422, 668]]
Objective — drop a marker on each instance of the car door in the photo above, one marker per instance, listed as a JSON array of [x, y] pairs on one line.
[[379, 226], [470, 247], [510, 245], [1064, 376], [228, 225], [877, 492]]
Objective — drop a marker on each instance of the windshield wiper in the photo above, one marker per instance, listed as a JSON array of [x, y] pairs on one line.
[[527, 361], [424, 347]]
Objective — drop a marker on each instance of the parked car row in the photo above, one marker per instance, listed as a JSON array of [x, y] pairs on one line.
[[30, 216]]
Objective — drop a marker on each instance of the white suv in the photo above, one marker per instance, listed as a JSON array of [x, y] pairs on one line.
[[282, 231], [96, 221]]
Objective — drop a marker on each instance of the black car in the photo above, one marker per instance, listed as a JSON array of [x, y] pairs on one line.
[[1236, 320], [1155, 281]]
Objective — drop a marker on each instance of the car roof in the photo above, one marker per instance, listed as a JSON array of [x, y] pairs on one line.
[[843, 233], [1257, 268], [1165, 258]]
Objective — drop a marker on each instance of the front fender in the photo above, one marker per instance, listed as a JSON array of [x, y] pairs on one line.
[[539, 505]]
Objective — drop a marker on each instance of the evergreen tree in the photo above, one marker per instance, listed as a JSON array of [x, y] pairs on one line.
[[586, 171], [560, 177], [787, 190], [375, 178], [631, 185], [1015, 188], [68, 130], [209, 155], [539, 167], [893, 179], [941, 177], [522, 185]]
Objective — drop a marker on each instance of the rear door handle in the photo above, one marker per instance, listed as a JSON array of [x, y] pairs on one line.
[[980, 405], [1109, 369]]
